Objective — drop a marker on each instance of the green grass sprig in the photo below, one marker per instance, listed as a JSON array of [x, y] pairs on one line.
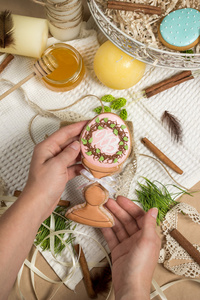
[[155, 194], [61, 223]]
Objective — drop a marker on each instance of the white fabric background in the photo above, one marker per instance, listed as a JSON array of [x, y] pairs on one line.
[[16, 146]]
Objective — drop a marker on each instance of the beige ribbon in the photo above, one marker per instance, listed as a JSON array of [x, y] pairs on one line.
[[73, 265], [159, 290]]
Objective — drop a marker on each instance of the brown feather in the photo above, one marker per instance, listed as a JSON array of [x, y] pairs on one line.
[[101, 281], [6, 29], [173, 126]]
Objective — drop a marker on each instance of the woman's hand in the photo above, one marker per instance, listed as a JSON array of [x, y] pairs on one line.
[[54, 162], [134, 246]]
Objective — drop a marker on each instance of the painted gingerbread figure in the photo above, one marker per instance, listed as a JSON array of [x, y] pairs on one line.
[[105, 145]]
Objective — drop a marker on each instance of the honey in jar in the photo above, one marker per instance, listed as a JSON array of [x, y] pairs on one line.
[[70, 70]]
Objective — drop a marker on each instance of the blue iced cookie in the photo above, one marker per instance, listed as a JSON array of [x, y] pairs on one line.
[[180, 30]]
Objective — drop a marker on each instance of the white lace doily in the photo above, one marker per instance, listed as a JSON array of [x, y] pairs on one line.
[[172, 250]]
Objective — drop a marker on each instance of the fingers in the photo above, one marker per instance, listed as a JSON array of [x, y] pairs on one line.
[[69, 154], [149, 234], [125, 225], [62, 136], [127, 213], [58, 141], [76, 160], [149, 221], [120, 230], [149, 227], [69, 141], [129, 206], [74, 171], [110, 238]]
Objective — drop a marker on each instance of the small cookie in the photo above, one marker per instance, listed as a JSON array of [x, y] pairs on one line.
[[180, 30], [105, 143], [92, 212]]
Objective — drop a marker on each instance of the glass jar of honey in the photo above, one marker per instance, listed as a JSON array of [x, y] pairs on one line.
[[70, 70]]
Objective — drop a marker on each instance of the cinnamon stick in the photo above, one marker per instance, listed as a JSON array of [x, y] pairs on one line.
[[168, 83], [64, 203], [186, 245], [128, 6], [86, 272], [5, 62], [161, 155]]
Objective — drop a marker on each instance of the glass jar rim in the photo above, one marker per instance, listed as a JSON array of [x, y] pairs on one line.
[[79, 61]]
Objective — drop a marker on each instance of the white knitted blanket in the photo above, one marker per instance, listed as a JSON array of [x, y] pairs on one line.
[[16, 146]]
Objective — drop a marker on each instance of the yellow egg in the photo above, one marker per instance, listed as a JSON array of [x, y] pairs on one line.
[[116, 69]]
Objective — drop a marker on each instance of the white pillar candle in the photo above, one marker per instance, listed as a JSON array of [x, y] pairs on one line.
[[30, 35]]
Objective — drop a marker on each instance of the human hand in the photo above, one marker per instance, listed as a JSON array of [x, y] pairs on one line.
[[134, 246], [53, 164]]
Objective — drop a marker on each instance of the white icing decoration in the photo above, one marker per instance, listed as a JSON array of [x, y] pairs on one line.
[[177, 19], [106, 141]]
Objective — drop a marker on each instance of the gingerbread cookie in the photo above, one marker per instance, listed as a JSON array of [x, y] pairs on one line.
[[180, 30], [105, 145], [92, 212]]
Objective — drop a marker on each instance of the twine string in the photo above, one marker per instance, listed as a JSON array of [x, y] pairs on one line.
[[146, 155]]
